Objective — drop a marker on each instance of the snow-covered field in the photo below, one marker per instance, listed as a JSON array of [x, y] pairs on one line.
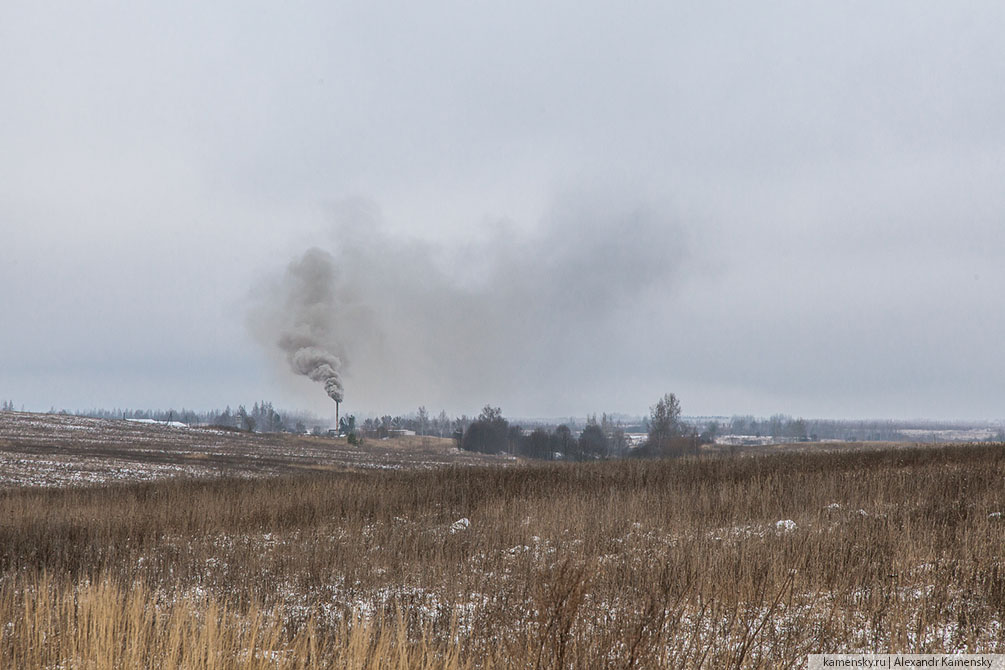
[[952, 435], [64, 450]]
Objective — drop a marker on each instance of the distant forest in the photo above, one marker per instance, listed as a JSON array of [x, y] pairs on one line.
[[663, 432]]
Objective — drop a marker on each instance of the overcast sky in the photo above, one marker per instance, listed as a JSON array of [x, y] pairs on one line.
[[556, 208]]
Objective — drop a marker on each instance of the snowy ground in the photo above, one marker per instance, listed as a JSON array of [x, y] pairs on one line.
[[63, 450]]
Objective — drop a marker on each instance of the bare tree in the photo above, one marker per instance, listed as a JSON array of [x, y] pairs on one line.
[[422, 419], [665, 429]]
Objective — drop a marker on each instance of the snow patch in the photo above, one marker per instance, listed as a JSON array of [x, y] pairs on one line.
[[170, 424]]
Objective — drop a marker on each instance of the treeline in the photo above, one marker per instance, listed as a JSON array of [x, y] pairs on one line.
[[262, 417], [666, 433], [784, 427], [667, 436], [420, 423], [492, 434]]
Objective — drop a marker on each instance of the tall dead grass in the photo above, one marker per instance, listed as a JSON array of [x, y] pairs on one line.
[[623, 564], [104, 626]]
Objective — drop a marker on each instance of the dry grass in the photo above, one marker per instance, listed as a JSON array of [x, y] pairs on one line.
[[102, 625], [620, 565]]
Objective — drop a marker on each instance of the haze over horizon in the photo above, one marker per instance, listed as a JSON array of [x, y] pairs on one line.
[[557, 210]]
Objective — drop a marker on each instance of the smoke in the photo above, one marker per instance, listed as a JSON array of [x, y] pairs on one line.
[[298, 314], [320, 366], [536, 320]]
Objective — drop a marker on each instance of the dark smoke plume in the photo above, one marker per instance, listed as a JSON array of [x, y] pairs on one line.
[[542, 318], [298, 316], [320, 366]]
